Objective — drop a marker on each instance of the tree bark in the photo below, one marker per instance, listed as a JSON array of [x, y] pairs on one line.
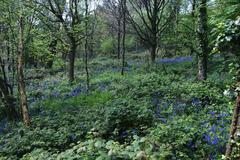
[[194, 25], [153, 52], [119, 29], [193, 8], [154, 31], [202, 67], [203, 41], [124, 34], [234, 124], [86, 44], [72, 54], [7, 100], [21, 83]]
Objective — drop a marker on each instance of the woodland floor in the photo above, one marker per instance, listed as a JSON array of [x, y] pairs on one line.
[[155, 111]]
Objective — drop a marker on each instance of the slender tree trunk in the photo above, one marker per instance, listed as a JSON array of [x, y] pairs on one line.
[[8, 55], [203, 41], [193, 8], [72, 54], [177, 5], [3, 69], [119, 29], [21, 83], [194, 26], [8, 100], [154, 30], [10, 108], [52, 48], [124, 34], [153, 52], [202, 67], [86, 43], [119, 44], [234, 124], [13, 68]]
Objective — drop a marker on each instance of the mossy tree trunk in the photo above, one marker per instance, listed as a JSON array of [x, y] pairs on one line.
[[203, 41], [21, 83]]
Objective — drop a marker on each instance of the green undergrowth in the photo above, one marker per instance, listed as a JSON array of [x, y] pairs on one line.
[[92, 99], [145, 114]]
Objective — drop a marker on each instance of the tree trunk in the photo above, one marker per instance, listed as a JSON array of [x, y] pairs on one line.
[[194, 25], [203, 41], [21, 83], [86, 44], [193, 8], [234, 124], [7, 100], [153, 52], [119, 29], [202, 68], [124, 34], [177, 5], [72, 54], [154, 32]]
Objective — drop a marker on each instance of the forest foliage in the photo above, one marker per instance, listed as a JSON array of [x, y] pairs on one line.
[[119, 79]]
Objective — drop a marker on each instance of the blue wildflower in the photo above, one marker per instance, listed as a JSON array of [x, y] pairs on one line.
[[158, 112], [190, 144], [204, 123], [207, 138], [213, 156], [212, 113], [1, 130], [124, 134], [196, 102], [56, 94], [176, 60], [43, 97], [164, 120], [155, 101], [102, 86], [72, 137], [222, 115], [31, 100], [215, 140], [213, 128], [75, 92]]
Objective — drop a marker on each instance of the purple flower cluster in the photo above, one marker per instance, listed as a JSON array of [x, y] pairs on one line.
[[1, 130], [156, 103], [176, 60], [160, 105], [72, 137], [216, 136], [3, 126], [102, 86], [75, 92], [196, 102], [124, 134], [56, 94], [211, 140]]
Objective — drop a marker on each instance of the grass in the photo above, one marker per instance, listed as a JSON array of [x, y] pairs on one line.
[[92, 99]]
